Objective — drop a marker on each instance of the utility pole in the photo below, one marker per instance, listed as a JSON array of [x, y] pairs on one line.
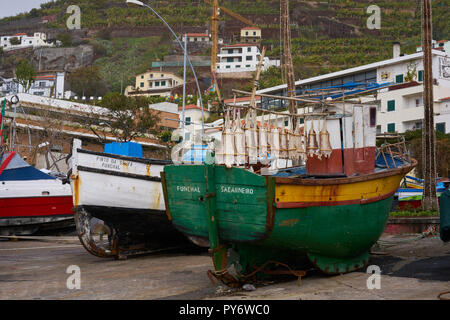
[[429, 198], [288, 64]]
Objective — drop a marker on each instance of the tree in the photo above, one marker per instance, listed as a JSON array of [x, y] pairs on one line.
[[128, 117], [25, 74], [65, 39], [14, 41], [87, 81]]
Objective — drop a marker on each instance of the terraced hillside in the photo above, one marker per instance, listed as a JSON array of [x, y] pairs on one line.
[[326, 35]]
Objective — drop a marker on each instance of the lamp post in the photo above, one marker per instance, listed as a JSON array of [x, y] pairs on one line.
[[141, 4]]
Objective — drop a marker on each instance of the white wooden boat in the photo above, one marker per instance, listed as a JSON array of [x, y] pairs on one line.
[[119, 198]]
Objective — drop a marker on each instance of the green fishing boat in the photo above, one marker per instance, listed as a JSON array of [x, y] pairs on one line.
[[327, 213]]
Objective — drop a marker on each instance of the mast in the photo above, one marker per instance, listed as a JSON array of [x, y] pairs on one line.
[[288, 64], [429, 199]]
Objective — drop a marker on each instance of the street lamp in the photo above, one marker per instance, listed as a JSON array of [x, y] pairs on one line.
[[141, 4]]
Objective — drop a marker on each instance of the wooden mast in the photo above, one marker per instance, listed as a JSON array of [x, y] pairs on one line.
[[288, 64]]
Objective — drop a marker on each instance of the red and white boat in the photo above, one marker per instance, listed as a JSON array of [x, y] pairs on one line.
[[30, 200]]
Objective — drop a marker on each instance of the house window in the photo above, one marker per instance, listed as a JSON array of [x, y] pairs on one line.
[[378, 129], [230, 59], [230, 51], [391, 105], [163, 83], [249, 49], [418, 125], [162, 75], [246, 33], [254, 33], [286, 123], [142, 84], [440, 127], [188, 121], [157, 84], [302, 120], [420, 75], [142, 77], [417, 102], [399, 78], [228, 67], [238, 66], [195, 39], [247, 66], [249, 58], [391, 127], [151, 75]]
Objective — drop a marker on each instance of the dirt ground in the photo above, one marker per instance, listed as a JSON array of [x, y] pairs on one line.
[[411, 268]]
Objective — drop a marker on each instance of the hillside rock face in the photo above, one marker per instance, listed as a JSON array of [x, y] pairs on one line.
[[65, 59]]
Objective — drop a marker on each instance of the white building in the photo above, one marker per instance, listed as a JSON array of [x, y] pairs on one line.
[[197, 37], [242, 58], [38, 39], [46, 84], [400, 106]]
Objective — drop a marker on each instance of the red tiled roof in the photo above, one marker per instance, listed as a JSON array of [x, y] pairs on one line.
[[445, 99], [239, 45], [46, 77], [197, 35], [191, 106], [442, 41], [20, 34], [251, 28], [241, 99]]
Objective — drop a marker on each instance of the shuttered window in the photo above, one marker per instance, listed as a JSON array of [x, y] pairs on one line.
[[391, 105], [399, 78], [391, 127], [421, 75]]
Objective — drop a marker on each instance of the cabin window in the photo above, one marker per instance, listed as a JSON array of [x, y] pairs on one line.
[[440, 127], [399, 78], [373, 117], [420, 75], [391, 127], [391, 105]]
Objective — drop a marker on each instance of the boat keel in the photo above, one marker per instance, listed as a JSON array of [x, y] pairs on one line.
[[333, 265]]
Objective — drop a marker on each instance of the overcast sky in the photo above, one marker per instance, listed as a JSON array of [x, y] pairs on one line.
[[13, 7]]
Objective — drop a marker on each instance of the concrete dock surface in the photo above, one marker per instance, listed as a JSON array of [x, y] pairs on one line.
[[411, 268]]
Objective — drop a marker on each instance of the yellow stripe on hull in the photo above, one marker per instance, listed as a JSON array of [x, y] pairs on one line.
[[356, 191]]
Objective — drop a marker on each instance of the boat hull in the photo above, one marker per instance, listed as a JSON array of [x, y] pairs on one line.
[[331, 222], [121, 196]]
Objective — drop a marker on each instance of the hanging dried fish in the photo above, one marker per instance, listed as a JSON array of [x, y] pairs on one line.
[[312, 146], [325, 145], [239, 140], [229, 141], [292, 142], [283, 143], [251, 137], [263, 139], [301, 153]]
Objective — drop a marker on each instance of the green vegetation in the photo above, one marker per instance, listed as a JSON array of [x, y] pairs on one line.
[[412, 213], [25, 74], [121, 59]]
